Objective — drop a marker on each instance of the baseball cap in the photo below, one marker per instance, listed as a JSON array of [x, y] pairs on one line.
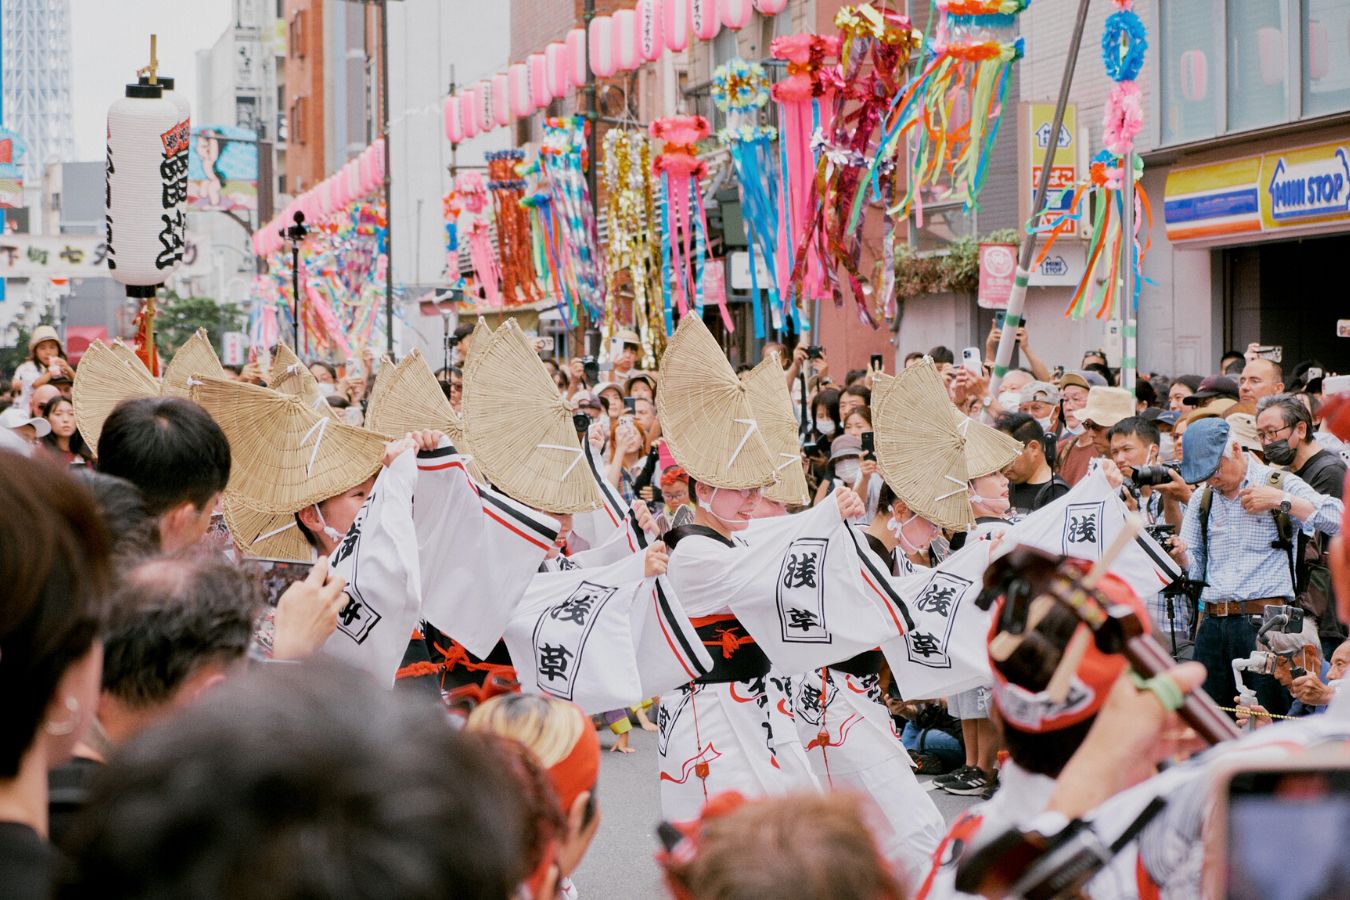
[[1075, 379], [1106, 406], [1036, 712], [627, 337], [1202, 447], [588, 401], [1242, 428], [1213, 386], [1040, 392], [1168, 417], [16, 418], [1093, 379]]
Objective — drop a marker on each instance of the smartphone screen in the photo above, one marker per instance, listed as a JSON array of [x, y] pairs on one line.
[[277, 576], [1309, 809], [630, 404], [876, 362], [868, 445], [999, 318]]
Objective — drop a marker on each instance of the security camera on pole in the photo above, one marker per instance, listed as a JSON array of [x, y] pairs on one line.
[[147, 157]]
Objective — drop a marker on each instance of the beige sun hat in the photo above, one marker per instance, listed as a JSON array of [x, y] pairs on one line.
[[988, 450], [706, 416], [290, 376], [285, 456], [195, 357], [921, 451], [1106, 406], [523, 437], [104, 378], [772, 407], [267, 535], [407, 397]]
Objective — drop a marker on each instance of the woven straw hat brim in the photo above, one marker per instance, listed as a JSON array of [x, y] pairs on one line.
[[988, 450], [293, 378], [269, 535], [105, 378], [766, 387], [196, 357], [407, 397], [478, 341], [706, 416], [920, 451], [129, 355], [284, 456], [523, 438]]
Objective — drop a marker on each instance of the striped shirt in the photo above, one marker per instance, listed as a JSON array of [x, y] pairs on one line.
[[1241, 563]]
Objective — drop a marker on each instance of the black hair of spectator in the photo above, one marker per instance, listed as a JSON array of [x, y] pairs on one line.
[[1299, 375], [742, 368], [1228, 357], [237, 370], [942, 355], [1292, 412], [1143, 390], [828, 398], [56, 570], [172, 615], [858, 390], [1103, 371], [1025, 429], [134, 532], [168, 447], [463, 330], [446, 389], [337, 401], [911, 357], [853, 377], [301, 781], [1144, 429], [1190, 381], [77, 444]]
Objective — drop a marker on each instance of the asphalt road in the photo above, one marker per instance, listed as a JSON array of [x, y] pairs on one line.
[[621, 861]]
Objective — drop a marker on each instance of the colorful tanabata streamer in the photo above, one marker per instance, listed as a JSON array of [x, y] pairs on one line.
[[683, 219], [874, 53], [563, 162], [342, 281], [740, 90], [1124, 44], [484, 258], [451, 208], [633, 252], [950, 112], [805, 102], [520, 284]]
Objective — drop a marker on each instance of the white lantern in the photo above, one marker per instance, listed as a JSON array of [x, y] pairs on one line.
[[735, 14], [180, 163], [627, 57], [145, 210]]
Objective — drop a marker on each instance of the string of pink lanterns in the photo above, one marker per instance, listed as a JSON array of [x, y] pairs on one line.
[[362, 176], [620, 42]]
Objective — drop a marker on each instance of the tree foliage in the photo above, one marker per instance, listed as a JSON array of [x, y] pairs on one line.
[[178, 318]]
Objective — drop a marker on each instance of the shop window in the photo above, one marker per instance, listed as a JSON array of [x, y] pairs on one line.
[[1190, 49], [1258, 64], [1326, 56]]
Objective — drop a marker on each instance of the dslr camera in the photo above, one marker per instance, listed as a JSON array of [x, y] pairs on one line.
[[1152, 476], [815, 351]]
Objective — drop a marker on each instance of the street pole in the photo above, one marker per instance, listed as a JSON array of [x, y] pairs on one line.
[[1017, 299], [388, 193], [1126, 303], [295, 234]]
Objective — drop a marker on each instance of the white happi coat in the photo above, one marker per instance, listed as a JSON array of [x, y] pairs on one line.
[[787, 744]]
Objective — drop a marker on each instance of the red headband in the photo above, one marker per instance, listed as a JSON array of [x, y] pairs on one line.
[[578, 770]]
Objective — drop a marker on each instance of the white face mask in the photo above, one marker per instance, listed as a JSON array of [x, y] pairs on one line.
[[897, 528], [329, 531], [848, 470], [825, 426], [1045, 424], [1073, 429], [1010, 400], [327, 389], [1167, 447]]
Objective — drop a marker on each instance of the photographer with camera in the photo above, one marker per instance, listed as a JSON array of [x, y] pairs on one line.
[[1159, 494], [1237, 538]]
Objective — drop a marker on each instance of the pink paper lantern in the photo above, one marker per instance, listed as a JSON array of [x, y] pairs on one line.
[[539, 93], [377, 148], [483, 107], [576, 57], [675, 24], [559, 69], [468, 111], [735, 14], [625, 26], [771, 7], [352, 174], [651, 36], [703, 19], [518, 82], [501, 99], [454, 124], [602, 60]]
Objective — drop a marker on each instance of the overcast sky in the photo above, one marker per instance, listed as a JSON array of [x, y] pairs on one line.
[[110, 40]]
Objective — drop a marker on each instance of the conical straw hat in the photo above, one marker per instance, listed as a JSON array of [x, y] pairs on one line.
[[920, 451], [407, 397], [285, 456], [293, 378], [104, 379], [478, 341], [988, 450], [196, 357], [129, 355], [269, 535], [706, 416], [766, 386], [523, 438]]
